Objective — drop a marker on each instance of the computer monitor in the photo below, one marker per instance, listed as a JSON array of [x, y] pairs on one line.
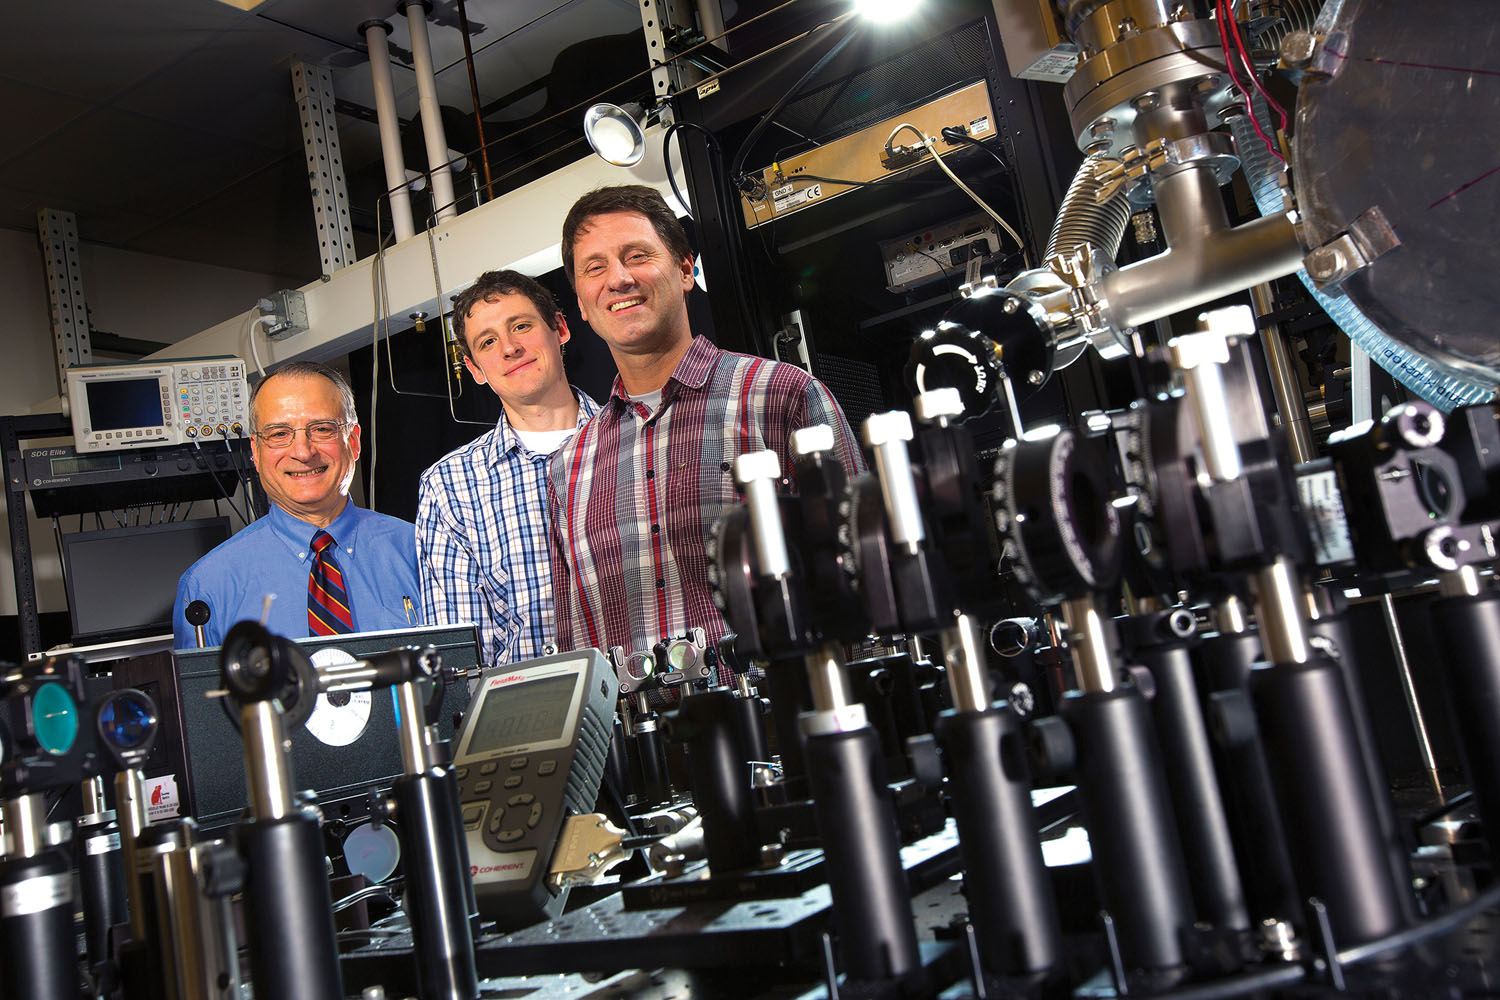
[[122, 582]]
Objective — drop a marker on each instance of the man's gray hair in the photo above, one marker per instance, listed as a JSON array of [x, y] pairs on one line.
[[311, 369]]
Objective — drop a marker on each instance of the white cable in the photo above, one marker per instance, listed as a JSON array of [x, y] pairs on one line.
[[254, 351], [931, 146]]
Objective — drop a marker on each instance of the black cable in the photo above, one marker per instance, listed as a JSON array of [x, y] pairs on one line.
[[243, 467], [666, 156], [222, 492], [952, 292], [728, 205], [736, 172], [954, 135]]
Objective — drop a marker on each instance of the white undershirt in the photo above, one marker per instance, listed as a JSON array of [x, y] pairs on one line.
[[544, 442], [650, 400]]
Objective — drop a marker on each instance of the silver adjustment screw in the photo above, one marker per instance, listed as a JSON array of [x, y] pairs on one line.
[[812, 440], [886, 435], [938, 406], [1324, 263], [757, 474], [1298, 49]]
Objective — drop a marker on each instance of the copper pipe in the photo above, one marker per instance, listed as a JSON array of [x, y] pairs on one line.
[[484, 153]]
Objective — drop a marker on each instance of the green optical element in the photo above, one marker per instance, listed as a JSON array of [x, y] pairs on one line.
[[54, 718]]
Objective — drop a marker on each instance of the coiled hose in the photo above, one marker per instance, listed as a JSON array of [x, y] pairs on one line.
[[1083, 219], [1433, 382]]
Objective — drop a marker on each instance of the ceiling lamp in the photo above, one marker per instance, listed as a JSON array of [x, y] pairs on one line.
[[886, 11], [617, 133]]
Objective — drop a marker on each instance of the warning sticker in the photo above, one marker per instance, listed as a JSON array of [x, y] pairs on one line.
[[1056, 65], [1319, 493], [161, 798], [979, 126], [797, 198]]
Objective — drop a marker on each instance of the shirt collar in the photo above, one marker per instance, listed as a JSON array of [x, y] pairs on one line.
[[692, 372], [506, 438], [298, 534]]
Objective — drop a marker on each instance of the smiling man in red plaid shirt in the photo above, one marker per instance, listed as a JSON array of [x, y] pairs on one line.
[[636, 492]]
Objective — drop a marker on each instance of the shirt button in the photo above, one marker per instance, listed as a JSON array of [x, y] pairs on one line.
[[660, 584], [650, 473], [655, 528], [723, 466]]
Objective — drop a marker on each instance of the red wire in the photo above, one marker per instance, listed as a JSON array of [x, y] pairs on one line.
[[1239, 40], [1224, 14]]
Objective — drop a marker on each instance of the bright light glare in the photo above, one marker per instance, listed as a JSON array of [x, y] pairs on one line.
[[613, 140], [886, 11]]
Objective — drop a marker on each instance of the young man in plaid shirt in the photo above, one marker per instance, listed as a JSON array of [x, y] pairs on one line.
[[482, 509], [634, 495]]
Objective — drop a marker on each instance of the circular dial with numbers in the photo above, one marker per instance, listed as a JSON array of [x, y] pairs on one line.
[[1060, 532], [339, 718]]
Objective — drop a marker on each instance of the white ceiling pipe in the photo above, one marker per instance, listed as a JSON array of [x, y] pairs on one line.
[[432, 121], [711, 20], [390, 129]]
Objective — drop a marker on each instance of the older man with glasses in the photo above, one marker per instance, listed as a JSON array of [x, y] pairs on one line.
[[327, 566]]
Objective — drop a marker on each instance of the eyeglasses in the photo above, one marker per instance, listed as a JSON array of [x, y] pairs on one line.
[[282, 435]]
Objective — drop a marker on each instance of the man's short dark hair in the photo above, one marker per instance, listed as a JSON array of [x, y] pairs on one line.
[[635, 198], [488, 287]]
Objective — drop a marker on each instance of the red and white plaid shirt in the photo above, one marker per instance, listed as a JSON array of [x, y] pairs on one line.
[[634, 495]]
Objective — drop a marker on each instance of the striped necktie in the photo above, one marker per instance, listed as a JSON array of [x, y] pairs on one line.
[[327, 603]]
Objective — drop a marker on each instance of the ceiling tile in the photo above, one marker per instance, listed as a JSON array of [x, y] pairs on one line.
[[93, 49], [114, 159], [28, 114], [266, 216], [236, 84]]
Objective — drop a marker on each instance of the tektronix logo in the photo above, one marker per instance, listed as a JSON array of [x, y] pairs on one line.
[[485, 869], [507, 679]]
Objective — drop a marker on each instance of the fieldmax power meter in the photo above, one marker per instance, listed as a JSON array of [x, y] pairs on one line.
[[531, 752]]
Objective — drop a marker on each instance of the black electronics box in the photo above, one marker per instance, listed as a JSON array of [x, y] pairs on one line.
[[202, 749]]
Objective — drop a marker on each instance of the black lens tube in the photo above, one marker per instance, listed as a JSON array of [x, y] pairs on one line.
[[1006, 883], [857, 824], [1335, 629], [656, 787], [708, 723], [1136, 855], [617, 763], [101, 880], [1222, 664], [436, 903], [1469, 629], [289, 916], [1187, 759], [37, 945], [1339, 851]]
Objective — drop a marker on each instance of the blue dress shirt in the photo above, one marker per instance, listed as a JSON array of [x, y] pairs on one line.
[[376, 552]]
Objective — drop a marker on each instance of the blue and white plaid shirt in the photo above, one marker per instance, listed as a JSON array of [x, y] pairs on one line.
[[482, 551]]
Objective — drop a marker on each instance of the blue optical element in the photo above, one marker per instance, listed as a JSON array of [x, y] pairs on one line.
[[54, 718], [126, 721]]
